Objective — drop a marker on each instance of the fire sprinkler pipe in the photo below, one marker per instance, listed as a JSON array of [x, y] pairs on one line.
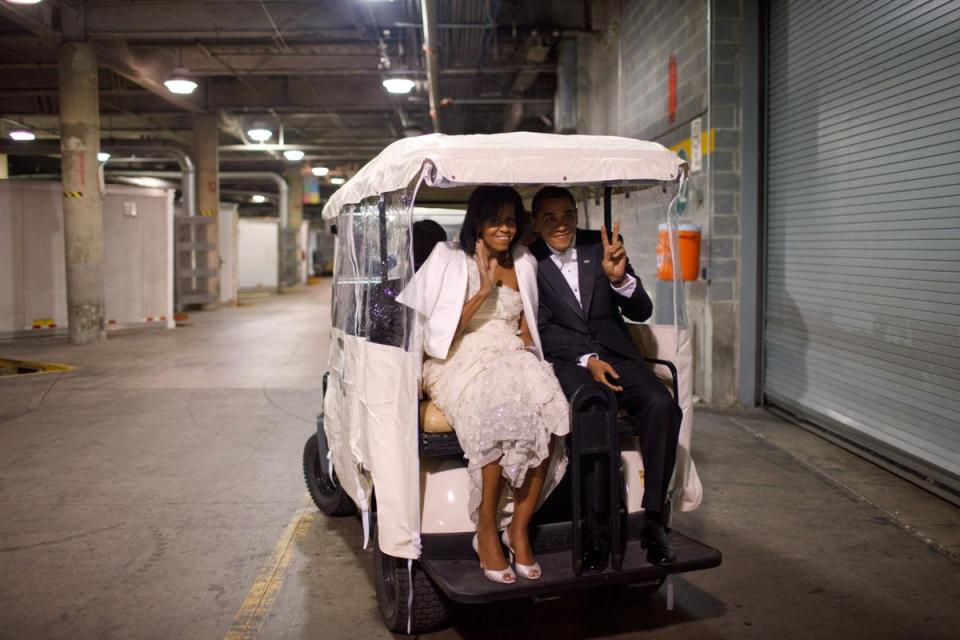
[[429, 11], [187, 173], [282, 188]]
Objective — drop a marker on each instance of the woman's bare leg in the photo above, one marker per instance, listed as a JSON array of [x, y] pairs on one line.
[[488, 540], [526, 498]]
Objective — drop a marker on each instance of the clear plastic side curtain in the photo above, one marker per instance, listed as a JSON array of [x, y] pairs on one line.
[[648, 224], [371, 401]]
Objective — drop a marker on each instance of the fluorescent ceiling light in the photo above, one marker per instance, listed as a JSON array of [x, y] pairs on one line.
[[103, 156], [293, 155], [320, 171], [398, 85], [22, 135], [337, 180], [180, 83], [259, 199], [260, 134], [24, 1]]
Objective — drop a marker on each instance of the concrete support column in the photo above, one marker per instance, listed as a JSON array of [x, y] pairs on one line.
[[295, 209], [82, 204], [4, 170], [297, 254], [206, 143]]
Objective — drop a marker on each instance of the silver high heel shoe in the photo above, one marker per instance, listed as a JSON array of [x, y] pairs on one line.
[[525, 571], [503, 576]]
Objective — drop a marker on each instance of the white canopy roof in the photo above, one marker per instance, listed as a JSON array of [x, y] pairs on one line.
[[507, 158]]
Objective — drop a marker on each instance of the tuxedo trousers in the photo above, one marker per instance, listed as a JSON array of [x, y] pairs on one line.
[[652, 411]]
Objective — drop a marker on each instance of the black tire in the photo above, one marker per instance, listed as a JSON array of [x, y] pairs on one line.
[[326, 492], [431, 609]]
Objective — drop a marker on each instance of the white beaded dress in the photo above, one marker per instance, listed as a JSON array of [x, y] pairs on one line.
[[503, 401]]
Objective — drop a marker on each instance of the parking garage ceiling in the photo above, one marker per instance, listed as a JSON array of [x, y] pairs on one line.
[[311, 68]]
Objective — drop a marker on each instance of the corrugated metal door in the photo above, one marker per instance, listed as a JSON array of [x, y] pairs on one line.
[[862, 318]]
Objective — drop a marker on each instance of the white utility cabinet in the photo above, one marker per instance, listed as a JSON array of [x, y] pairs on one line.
[[228, 246], [137, 261], [258, 254]]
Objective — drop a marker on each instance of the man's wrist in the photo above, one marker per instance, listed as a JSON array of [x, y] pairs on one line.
[[584, 360], [620, 282]]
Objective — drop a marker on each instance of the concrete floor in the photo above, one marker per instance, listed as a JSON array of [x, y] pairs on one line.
[[156, 492]]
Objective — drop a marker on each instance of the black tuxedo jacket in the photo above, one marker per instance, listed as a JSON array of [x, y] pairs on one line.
[[567, 330]]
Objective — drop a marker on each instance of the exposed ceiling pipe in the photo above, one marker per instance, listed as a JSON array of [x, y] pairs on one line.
[[429, 11], [162, 147], [148, 71], [187, 167], [282, 188], [31, 24]]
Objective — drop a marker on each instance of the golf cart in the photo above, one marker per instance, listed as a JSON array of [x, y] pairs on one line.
[[385, 452]]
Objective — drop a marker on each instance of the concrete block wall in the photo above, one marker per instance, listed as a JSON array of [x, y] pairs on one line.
[[623, 90]]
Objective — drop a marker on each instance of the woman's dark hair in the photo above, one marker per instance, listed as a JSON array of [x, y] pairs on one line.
[[484, 204]]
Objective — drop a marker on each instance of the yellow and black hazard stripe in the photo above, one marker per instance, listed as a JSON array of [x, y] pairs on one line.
[[208, 212], [73, 194]]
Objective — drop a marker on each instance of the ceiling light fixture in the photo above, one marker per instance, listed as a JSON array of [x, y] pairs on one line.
[[259, 199], [259, 134], [22, 135], [179, 83], [24, 1], [337, 180], [399, 85], [293, 155], [320, 171], [103, 156]]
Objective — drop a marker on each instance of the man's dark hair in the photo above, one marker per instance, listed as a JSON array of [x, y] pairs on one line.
[[484, 204], [548, 193], [426, 235]]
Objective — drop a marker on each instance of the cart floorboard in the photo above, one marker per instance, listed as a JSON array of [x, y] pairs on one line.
[[462, 581]]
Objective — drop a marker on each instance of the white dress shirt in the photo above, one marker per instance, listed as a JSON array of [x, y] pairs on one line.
[[566, 261]]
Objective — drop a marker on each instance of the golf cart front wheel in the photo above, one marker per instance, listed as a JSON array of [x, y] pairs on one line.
[[326, 492], [429, 611]]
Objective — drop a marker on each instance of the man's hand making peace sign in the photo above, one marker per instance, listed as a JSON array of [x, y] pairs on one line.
[[614, 260]]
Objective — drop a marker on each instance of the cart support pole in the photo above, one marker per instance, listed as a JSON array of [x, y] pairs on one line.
[[607, 208]]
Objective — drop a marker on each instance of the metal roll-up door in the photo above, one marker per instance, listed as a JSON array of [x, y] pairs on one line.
[[862, 263]]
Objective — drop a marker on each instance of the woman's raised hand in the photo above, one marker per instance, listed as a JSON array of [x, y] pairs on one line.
[[487, 267]]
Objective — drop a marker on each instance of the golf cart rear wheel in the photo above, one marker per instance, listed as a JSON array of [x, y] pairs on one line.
[[326, 492], [430, 609]]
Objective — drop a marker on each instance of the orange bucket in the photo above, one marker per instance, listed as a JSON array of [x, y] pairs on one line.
[[688, 241]]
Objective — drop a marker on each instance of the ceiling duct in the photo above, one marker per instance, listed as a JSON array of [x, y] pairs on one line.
[[429, 10]]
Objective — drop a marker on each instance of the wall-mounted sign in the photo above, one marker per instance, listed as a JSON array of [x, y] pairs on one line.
[[696, 151]]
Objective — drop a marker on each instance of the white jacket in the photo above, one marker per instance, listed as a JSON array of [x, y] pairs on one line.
[[438, 292]]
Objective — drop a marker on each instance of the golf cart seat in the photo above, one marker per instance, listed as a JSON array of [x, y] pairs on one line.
[[432, 419], [437, 437]]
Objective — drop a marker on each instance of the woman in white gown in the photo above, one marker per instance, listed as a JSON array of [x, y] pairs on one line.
[[494, 388]]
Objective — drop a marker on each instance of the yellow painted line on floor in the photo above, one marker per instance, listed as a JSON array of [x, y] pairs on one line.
[[255, 609], [35, 368]]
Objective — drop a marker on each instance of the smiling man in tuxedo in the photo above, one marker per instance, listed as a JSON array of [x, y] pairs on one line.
[[586, 286]]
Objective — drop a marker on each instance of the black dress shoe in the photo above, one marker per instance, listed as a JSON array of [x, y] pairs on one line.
[[653, 538]]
